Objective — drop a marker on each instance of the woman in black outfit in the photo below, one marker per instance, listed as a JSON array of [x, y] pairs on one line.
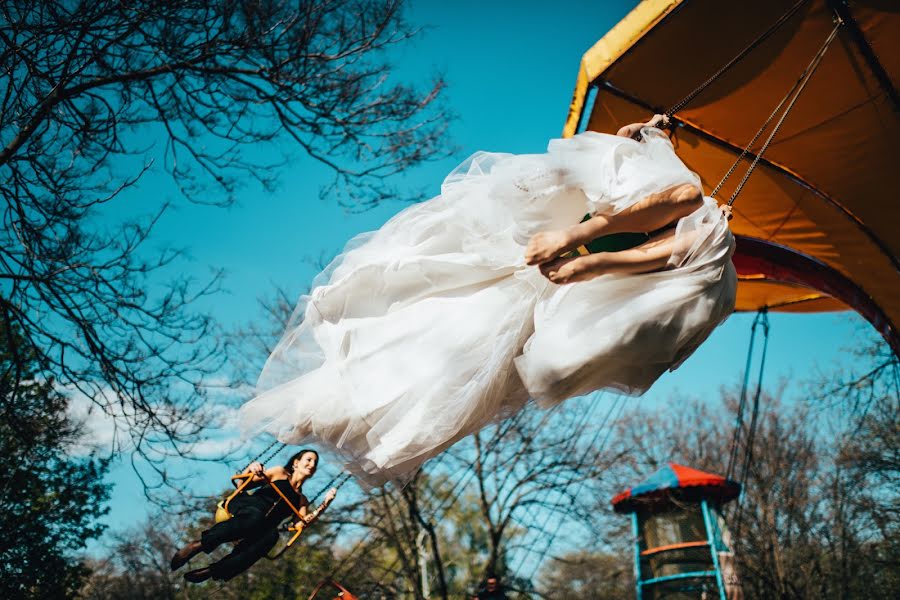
[[255, 519]]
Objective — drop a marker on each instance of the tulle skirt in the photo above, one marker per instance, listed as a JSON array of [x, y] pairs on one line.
[[424, 331]]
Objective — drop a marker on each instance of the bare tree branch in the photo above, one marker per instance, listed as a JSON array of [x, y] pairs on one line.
[[88, 83]]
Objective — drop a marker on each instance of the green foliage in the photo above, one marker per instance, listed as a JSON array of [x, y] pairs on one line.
[[50, 501]]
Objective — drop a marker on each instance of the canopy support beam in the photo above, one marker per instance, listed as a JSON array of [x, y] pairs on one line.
[[779, 263], [862, 44]]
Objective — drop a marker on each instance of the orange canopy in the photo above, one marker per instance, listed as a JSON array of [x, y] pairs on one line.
[[818, 222]]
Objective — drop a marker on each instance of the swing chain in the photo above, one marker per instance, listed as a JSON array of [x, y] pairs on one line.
[[760, 39], [265, 455], [337, 481], [749, 145], [799, 87], [795, 91]]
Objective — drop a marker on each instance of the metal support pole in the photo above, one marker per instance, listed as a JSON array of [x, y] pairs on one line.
[[711, 538], [423, 563], [636, 531]]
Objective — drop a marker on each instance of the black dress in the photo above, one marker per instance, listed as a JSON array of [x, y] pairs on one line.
[[255, 523]]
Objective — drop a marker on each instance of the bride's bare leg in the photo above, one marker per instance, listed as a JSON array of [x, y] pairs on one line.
[[651, 213], [652, 255]]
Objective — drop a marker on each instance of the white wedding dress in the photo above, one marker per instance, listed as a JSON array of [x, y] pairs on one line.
[[424, 331]]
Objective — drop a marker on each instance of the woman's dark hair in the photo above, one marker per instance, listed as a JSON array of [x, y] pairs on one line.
[[289, 467]]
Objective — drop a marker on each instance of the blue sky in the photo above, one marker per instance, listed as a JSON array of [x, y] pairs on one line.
[[511, 69]]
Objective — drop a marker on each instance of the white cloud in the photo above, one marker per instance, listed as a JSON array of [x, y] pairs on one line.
[[102, 431], [105, 424]]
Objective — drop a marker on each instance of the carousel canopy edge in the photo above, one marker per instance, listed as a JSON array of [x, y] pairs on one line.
[[610, 47]]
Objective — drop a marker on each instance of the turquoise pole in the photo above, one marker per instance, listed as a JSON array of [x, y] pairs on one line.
[[710, 538], [636, 530]]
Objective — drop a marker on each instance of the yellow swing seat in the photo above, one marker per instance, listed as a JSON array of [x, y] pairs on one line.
[[223, 514]]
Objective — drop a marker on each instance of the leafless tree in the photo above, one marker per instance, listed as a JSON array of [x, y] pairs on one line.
[[137, 565], [589, 574], [537, 474], [804, 525], [251, 343], [137, 568], [87, 82], [494, 502]]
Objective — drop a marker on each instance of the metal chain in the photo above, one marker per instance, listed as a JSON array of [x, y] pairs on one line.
[[751, 434], [761, 38], [452, 493], [265, 451], [794, 91], [804, 79], [340, 479], [598, 450], [749, 145], [742, 399]]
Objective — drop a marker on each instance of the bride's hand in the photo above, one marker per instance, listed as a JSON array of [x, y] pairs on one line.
[[659, 121], [726, 210], [633, 131], [630, 131], [545, 246]]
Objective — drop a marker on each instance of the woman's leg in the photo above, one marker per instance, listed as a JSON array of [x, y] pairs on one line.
[[652, 255], [652, 213], [245, 521], [250, 550]]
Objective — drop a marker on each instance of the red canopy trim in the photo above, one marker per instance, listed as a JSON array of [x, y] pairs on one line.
[[674, 478], [779, 263]]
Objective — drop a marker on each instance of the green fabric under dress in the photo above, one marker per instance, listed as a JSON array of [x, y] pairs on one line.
[[615, 242]]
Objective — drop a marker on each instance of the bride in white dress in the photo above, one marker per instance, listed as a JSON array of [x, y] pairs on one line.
[[424, 331]]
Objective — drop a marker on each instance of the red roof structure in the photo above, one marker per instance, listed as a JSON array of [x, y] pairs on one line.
[[672, 477]]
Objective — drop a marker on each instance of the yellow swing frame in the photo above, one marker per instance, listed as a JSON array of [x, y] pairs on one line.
[[223, 514]]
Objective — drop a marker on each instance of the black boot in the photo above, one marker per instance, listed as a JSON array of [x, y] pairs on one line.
[[198, 575], [185, 554]]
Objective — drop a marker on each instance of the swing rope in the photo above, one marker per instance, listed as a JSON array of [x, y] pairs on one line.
[[269, 452], [301, 524], [451, 494], [444, 505], [264, 456], [792, 95], [796, 90], [761, 320], [570, 448], [759, 40], [598, 451]]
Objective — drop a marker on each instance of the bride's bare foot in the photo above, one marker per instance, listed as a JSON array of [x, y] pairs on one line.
[[652, 255], [545, 246], [574, 269]]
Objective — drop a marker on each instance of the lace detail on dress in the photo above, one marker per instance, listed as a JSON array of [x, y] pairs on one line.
[[546, 180]]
